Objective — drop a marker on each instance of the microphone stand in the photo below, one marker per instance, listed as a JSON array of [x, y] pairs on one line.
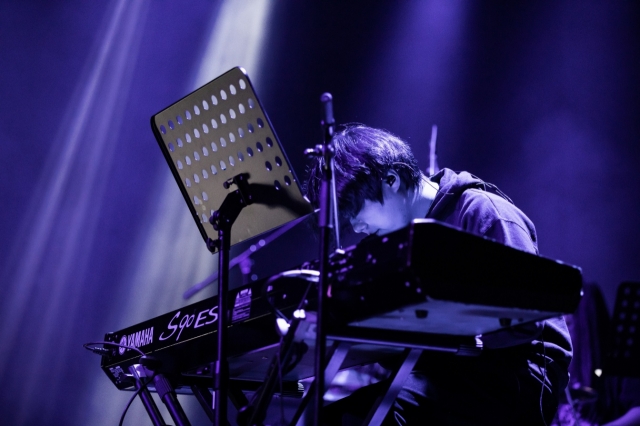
[[326, 151], [433, 158]]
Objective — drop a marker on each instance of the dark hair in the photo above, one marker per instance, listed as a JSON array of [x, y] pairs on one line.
[[363, 156]]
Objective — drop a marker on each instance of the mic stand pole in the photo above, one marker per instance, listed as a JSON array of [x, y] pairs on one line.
[[326, 151], [222, 221]]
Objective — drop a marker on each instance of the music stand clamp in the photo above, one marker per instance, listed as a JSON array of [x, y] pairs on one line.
[[223, 219]]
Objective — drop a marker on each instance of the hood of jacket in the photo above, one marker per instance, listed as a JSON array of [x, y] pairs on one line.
[[451, 186]]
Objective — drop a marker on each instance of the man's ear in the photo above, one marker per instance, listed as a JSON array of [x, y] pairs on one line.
[[392, 180]]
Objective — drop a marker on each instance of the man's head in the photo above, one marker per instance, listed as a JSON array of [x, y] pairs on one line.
[[368, 163]]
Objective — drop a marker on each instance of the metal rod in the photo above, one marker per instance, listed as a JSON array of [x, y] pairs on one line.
[[325, 228], [170, 399], [147, 399], [221, 373]]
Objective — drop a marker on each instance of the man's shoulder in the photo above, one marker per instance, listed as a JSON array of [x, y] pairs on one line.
[[488, 214], [476, 200]]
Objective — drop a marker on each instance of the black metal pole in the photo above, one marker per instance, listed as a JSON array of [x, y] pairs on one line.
[[222, 221], [147, 400], [221, 372], [203, 396], [255, 413], [325, 225], [150, 406], [170, 399]]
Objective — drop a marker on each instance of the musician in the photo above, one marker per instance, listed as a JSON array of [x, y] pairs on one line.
[[521, 372]]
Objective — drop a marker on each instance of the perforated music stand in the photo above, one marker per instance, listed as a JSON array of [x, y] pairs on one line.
[[226, 158], [217, 132], [623, 353]]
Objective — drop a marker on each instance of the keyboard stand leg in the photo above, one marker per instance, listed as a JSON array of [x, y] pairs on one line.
[[204, 397], [147, 400], [377, 415], [168, 396], [336, 357], [236, 396]]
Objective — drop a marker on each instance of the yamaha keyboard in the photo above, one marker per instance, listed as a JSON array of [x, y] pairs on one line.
[[427, 285]]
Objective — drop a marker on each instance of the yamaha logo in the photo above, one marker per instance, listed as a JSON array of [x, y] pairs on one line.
[[123, 341], [136, 340]]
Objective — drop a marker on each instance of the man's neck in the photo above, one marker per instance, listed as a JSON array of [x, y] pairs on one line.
[[425, 194]]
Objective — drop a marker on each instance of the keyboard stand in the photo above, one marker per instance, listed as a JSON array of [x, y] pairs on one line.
[[379, 412], [413, 346], [145, 395]]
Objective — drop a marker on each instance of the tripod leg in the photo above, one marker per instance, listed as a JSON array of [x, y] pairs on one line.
[[147, 400], [411, 358], [337, 355], [168, 396], [205, 399]]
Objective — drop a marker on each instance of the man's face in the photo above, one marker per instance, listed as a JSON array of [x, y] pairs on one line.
[[382, 218]]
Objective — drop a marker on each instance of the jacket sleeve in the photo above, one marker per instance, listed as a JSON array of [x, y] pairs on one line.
[[512, 234], [494, 217]]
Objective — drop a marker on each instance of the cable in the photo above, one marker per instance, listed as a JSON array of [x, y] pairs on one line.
[[297, 350], [242, 256], [105, 351], [307, 274], [432, 184], [144, 361], [136, 393], [334, 206], [280, 380], [544, 374]]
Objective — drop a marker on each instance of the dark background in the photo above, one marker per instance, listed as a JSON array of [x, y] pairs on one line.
[[539, 98]]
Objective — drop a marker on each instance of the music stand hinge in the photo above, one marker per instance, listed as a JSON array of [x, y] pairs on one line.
[[233, 203]]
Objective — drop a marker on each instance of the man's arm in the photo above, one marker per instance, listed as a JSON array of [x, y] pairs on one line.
[[492, 216]]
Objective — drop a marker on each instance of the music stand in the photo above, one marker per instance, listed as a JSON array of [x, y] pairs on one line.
[[624, 341], [217, 139]]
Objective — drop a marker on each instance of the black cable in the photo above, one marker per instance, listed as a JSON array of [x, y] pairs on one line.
[[306, 274], [299, 349], [241, 257], [282, 420], [136, 393], [106, 351], [145, 361], [544, 375]]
